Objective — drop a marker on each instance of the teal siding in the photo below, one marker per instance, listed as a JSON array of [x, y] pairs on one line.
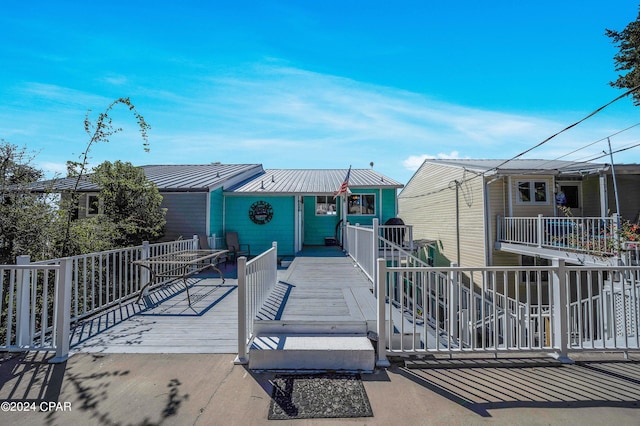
[[260, 237], [316, 228], [216, 212], [388, 206]]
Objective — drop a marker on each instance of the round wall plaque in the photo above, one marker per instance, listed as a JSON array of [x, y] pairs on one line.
[[260, 212]]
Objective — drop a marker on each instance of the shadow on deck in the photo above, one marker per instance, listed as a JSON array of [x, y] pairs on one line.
[[164, 322]]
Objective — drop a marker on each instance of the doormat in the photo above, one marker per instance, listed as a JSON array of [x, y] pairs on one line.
[[313, 396]]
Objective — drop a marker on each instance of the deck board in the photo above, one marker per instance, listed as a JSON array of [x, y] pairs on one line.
[[316, 289]]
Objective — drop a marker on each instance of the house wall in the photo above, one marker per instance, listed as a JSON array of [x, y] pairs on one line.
[[186, 214], [498, 205], [260, 237], [317, 227], [591, 196], [428, 202], [627, 195], [216, 213]]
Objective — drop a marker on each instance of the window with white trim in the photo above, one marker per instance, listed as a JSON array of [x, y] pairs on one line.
[[326, 205], [361, 204], [532, 192], [93, 205]]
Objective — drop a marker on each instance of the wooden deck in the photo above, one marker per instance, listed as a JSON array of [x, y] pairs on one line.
[[166, 323], [329, 289]]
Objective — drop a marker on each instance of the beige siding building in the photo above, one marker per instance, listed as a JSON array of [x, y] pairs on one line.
[[458, 204]]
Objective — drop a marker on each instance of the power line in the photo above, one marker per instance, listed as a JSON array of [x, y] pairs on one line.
[[591, 144], [496, 168], [625, 94]]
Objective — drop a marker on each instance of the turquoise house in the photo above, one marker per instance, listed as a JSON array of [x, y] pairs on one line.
[[295, 207]]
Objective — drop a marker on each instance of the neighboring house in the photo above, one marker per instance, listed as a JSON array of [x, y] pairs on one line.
[[294, 207], [504, 213]]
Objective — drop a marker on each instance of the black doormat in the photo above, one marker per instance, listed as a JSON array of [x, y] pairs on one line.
[[312, 396]]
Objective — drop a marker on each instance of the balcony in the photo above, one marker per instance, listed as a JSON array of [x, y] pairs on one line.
[[586, 240]]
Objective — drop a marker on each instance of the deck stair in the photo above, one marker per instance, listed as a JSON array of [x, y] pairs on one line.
[[319, 345], [322, 323]]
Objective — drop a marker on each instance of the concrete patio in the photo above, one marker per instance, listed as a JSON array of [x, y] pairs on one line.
[[208, 389]]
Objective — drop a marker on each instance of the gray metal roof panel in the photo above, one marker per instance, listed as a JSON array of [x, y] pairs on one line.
[[521, 165], [184, 177], [312, 181]]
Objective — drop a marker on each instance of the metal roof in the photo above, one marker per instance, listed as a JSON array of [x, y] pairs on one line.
[[168, 178], [523, 166], [312, 181]]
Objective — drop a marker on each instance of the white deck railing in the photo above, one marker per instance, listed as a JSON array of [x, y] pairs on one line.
[[39, 301], [592, 235], [362, 248], [256, 279], [557, 309], [365, 244]]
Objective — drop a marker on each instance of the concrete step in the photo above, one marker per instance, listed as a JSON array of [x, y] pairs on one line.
[[317, 352], [284, 327]]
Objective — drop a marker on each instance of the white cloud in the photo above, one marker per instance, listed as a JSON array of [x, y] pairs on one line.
[[413, 162], [287, 117]]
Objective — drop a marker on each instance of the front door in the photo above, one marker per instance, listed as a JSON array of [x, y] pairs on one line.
[[570, 193], [321, 216]]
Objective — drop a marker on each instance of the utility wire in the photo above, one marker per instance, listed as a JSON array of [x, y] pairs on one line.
[[625, 94]]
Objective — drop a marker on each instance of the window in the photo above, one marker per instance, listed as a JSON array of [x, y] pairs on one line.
[[92, 205], [362, 204], [532, 192], [325, 205]]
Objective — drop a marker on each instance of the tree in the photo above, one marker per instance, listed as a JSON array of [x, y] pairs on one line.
[[99, 131], [627, 60], [27, 219], [130, 201]]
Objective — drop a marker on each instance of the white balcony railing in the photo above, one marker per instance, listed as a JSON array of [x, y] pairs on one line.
[[557, 309], [592, 235]]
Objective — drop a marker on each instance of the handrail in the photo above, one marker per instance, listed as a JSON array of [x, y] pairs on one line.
[[508, 309], [256, 279], [592, 235], [43, 298]]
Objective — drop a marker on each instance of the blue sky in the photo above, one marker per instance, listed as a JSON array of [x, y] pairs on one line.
[[314, 84]]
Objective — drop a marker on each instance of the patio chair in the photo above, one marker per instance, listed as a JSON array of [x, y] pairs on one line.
[[203, 244], [235, 248]]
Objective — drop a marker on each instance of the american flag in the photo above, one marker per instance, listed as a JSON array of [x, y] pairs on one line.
[[344, 187]]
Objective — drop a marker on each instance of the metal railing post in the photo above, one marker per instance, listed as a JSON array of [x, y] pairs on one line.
[[274, 270], [560, 312], [453, 301], [380, 283], [242, 357], [374, 251], [540, 232], [23, 302], [145, 275], [346, 245], [63, 311]]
